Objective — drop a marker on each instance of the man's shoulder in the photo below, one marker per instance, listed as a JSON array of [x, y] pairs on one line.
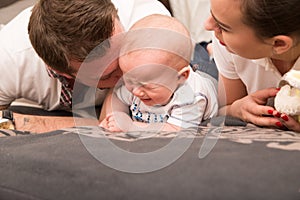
[[131, 11]]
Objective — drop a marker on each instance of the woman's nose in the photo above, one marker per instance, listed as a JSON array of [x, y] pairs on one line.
[[211, 25], [208, 24]]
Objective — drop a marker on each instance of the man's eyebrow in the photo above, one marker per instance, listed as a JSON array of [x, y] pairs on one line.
[[218, 22]]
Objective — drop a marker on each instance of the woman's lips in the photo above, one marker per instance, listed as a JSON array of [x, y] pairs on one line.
[[222, 43]]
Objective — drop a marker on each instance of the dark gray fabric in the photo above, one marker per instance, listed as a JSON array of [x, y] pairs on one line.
[[40, 112], [226, 120], [37, 111], [201, 61], [57, 166]]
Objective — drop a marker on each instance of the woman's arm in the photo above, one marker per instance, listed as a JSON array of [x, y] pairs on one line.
[[235, 101], [229, 90]]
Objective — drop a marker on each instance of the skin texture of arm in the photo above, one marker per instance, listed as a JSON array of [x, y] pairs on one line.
[[43, 124], [229, 90]]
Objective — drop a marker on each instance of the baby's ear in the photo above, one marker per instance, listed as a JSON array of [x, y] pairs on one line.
[[183, 74]]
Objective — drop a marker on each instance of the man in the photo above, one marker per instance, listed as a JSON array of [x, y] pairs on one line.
[[62, 32]]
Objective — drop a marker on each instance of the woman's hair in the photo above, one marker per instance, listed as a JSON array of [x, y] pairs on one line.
[[272, 17], [61, 30]]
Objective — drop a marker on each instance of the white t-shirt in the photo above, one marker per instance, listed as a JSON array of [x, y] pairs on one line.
[[256, 74], [23, 74], [192, 102]]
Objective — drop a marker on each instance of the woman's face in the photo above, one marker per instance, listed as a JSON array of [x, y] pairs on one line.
[[240, 39]]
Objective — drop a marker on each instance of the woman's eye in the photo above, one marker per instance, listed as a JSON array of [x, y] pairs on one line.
[[221, 28]]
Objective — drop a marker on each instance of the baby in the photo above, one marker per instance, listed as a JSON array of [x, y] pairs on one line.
[[160, 90]]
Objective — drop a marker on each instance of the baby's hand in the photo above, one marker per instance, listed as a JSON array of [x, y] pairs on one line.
[[116, 122], [103, 123], [110, 124]]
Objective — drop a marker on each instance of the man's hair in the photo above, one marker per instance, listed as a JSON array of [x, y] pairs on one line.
[[61, 30]]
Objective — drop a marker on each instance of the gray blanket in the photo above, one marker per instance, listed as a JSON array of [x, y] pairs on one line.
[[245, 162]]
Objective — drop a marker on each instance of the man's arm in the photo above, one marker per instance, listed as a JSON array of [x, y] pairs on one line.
[[43, 124]]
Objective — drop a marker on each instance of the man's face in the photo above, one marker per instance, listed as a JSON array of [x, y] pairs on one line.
[[103, 72], [93, 75]]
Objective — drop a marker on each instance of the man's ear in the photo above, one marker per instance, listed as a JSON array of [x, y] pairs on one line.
[[282, 44], [183, 74]]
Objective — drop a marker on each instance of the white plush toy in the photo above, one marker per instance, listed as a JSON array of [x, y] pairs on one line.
[[287, 99]]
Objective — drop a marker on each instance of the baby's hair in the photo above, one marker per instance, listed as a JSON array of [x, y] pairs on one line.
[[162, 22], [159, 33], [272, 17]]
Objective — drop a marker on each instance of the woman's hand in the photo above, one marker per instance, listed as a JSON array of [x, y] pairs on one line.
[[252, 108], [287, 121]]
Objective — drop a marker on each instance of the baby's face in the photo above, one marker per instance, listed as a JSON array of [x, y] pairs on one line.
[[150, 94], [150, 79]]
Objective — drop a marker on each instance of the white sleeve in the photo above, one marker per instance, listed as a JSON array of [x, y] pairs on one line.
[[124, 95], [7, 76], [130, 11], [224, 60], [190, 115]]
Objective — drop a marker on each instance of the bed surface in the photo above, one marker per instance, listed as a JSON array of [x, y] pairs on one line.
[[246, 162]]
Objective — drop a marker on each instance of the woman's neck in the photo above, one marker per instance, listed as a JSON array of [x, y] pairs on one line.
[[286, 61]]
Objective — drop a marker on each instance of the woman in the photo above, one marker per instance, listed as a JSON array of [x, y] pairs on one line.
[[256, 42]]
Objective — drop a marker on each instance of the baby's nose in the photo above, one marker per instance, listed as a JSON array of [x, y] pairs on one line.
[[137, 91]]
